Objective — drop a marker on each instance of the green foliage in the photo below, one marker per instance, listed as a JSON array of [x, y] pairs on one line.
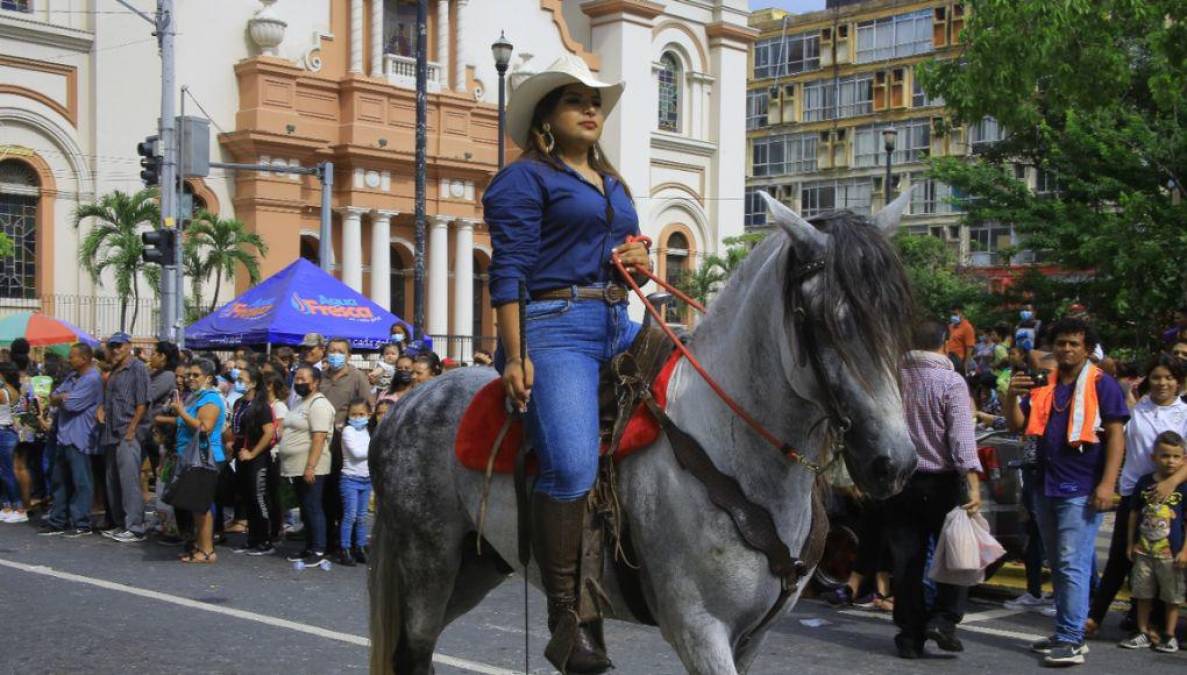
[[1093, 92], [6, 248], [113, 243], [715, 270], [935, 283], [218, 246]]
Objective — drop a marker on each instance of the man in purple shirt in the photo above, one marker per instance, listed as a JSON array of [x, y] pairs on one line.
[[940, 419], [1077, 482], [77, 400]]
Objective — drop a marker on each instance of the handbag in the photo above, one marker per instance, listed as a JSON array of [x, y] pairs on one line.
[[195, 479]]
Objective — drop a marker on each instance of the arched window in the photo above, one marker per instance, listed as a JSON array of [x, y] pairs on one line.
[[20, 190], [478, 298], [310, 249], [676, 261], [669, 93], [399, 278]]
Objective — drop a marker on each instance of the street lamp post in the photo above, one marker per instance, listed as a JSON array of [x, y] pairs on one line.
[[889, 136], [501, 50]]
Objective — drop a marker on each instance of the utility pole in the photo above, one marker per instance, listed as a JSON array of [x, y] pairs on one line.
[[171, 309], [422, 78]]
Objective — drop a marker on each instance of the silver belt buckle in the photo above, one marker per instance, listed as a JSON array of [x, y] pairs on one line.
[[613, 294]]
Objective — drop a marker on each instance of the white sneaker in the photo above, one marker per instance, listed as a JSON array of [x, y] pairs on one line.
[[6, 515], [1024, 601], [18, 517]]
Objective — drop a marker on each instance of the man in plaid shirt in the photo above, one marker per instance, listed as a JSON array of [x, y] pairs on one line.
[[940, 419]]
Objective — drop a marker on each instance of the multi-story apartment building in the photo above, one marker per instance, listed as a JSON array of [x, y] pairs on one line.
[[823, 88]]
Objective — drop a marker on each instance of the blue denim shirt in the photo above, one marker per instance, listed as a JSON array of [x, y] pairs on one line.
[[76, 415], [552, 228]]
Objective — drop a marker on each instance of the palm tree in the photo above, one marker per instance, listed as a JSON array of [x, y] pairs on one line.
[[114, 242], [221, 244]]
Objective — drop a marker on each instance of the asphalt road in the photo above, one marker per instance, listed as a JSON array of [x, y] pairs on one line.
[[95, 606]]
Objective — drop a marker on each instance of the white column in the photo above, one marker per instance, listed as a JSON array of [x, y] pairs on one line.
[[352, 246], [438, 300], [459, 66], [377, 38], [356, 36], [463, 288], [381, 257], [443, 41]]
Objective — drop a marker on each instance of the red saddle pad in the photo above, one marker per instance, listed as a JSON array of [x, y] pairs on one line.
[[487, 411]]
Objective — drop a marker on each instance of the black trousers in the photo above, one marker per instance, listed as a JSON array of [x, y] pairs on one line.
[[913, 518], [331, 499], [257, 480]]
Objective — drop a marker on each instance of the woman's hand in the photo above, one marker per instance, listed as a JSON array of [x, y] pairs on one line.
[[244, 456], [518, 377], [634, 254]]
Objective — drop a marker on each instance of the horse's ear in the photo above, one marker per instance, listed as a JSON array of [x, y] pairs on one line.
[[887, 220], [800, 230]]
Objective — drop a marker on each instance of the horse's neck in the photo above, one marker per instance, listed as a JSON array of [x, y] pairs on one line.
[[744, 346]]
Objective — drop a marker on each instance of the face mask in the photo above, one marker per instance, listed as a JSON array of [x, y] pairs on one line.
[[336, 361], [240, 387], [359, 423], [397, 338], [402, 378], [1025, 314], [954, 319], [234, 374], [302, 389]]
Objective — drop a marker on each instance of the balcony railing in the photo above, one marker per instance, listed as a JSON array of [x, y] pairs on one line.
[[401, 71]]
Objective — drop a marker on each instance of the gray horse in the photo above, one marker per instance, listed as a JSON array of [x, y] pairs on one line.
[[705, 588]]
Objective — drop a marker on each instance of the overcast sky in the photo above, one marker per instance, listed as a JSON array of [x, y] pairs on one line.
[[796, 6]]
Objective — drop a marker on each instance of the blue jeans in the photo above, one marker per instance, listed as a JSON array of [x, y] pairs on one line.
[[568, 342], [312, 514], [72, 488], [356, 495], [10, 492], [1069, 526]]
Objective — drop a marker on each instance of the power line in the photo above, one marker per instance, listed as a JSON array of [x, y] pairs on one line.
[[186, 90], [95, 51]]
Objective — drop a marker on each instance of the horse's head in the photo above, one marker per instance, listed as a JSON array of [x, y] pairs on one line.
[[848, 308]]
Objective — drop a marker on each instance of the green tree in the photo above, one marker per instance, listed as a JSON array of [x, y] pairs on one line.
[[715, 270], [192, 264], [114, 242], [219, 245], [935, 283], [1094, 94]]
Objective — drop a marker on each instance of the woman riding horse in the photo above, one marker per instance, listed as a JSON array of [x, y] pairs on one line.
[[556, 216]]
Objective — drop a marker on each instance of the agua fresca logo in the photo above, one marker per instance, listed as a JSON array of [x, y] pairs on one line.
[[244, 310], [339, 308]]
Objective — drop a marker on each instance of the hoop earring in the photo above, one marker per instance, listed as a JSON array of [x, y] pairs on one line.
[[549, 140]]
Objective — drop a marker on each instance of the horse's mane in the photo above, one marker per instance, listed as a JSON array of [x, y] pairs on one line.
[[862, 272]]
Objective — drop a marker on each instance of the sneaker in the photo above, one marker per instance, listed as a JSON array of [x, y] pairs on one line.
[[1024, 601], [841, 596], [867, 601], [78, 532], [314, 558], [294, 557], [127, 537], [360, 554], [242, 548], [6, 515], [18, 517], [51, 531], [1048, 611], [110, 532], [1065, 654], [1136, 641], [945, 638], [1168, 645], [345, 558], [262, 549], [1045, 645]]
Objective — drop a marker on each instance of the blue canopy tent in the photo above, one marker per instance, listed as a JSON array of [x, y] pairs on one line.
[[298, 299]]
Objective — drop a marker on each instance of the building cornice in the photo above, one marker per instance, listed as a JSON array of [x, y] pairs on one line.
[[643, 9], [661, 140], [17, 27], [553, 7], [731, 31]]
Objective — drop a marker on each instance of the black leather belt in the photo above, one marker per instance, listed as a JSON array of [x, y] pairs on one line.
[[611, 294]]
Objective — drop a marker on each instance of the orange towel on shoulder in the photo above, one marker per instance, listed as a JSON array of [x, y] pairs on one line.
[[1084, 419]]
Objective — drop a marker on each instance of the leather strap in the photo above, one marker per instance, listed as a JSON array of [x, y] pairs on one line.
[[611, 294]]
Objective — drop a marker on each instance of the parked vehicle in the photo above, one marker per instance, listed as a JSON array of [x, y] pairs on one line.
[[1001, 455]]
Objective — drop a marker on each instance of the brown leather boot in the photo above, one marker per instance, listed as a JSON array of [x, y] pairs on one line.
[[575, 647]]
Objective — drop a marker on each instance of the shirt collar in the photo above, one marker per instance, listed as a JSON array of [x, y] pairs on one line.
[[921, 359]]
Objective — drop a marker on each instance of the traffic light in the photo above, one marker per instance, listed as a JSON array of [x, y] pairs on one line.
[[160, 246], [150, 161]]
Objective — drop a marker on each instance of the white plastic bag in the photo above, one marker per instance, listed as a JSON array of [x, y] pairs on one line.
[[959, 539], [989, 547], [941, 573]]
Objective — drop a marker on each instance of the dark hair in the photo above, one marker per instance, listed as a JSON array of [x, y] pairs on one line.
[[359, 401], [172, 356], [597, 158], [285, 352], [928, 335], [1172, 363], [207, 366], [11, 375], [957, 306], [1002, 329], [84, 349], [19, 346], [276, 384], [21, 361], [1169, 438], [431, 360], [1073, 326], [339, 340], [313, 372]]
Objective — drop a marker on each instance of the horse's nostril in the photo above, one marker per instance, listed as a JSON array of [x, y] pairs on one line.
[[883, 468]]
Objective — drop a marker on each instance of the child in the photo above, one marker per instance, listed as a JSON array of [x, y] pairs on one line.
[[355, 485], [1156, 545]]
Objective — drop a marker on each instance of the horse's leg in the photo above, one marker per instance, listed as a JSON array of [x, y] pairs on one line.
[[703, 646], [479, 574], [428, 570]]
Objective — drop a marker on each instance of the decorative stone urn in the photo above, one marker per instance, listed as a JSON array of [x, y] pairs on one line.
[[267, 29]]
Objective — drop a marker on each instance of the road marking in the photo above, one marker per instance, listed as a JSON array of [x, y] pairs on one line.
[[990, 615], [349, 638], [984, 630]]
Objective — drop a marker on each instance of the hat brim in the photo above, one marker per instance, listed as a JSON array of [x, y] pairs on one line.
[[529, 93]]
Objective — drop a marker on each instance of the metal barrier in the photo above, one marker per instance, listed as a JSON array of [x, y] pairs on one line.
[[98, 315], [462, 347]]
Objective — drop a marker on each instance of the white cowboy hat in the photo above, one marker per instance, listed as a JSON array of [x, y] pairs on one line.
[[566, 70]]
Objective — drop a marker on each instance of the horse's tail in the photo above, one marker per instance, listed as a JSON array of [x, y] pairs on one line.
[[384, 587]]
